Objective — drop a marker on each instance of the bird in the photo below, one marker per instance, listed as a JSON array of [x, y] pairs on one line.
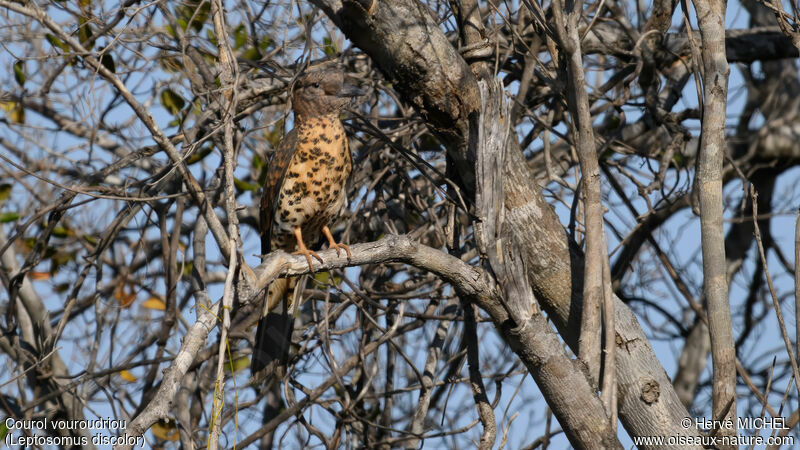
[[303, 193]]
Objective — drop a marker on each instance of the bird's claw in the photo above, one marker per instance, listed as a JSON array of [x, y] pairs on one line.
[[345, 247], [308, 254]]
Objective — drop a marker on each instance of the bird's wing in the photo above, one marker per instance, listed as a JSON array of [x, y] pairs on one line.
[[272, 186]]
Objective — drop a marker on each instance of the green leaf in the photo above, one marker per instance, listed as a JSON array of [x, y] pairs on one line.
[[201, 16], [198, 155], [252, 54], [240, 37], [3, 431], [85, 32], [274, 135], [5, 192], [329, 47], [197, 107], [265, 43], [62, 232], [170, 30], [324, 278], [8, 217], [61, 258], [171, 101], [170, 63], [194, 11], [187, 268], [56, 42], [244, 186], [108, 62], [19, 72], [211, 37], [90, 239]]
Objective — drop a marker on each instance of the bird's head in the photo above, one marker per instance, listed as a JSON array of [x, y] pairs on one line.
[[322, 93]]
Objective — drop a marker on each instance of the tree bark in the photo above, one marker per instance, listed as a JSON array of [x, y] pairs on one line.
[[405, 42], [711, 14]]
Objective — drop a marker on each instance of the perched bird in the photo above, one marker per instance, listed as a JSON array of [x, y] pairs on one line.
[[303, 193]]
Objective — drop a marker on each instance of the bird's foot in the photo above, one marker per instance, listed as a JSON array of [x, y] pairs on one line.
[[344, 247], [332, 242], [308, 254]]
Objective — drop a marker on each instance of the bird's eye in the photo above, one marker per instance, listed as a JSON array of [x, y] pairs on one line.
[[316, 85]]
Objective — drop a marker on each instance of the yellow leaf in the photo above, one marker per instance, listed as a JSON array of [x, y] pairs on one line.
[[155, 303], [187, 268], [167, 431], [127, 376], [39, 275], [325, 278], [322, 277], [5, 191], [238, 363], [124, 296], [14, 111], [60, 231]]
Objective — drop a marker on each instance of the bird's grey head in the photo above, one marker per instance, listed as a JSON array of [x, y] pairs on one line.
[[322, 93]]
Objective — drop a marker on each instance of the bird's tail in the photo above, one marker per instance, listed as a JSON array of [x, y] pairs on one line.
[[274, 332]]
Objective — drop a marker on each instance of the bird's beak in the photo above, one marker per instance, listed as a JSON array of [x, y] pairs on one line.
[[348, 90]]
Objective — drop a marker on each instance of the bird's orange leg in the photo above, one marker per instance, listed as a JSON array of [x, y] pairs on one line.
[[332, 243], [302, 250]]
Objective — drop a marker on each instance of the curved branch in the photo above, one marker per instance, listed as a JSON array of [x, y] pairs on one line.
[[535, 342]]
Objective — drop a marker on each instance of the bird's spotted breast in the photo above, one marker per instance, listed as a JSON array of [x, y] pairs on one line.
[[312, 193]]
